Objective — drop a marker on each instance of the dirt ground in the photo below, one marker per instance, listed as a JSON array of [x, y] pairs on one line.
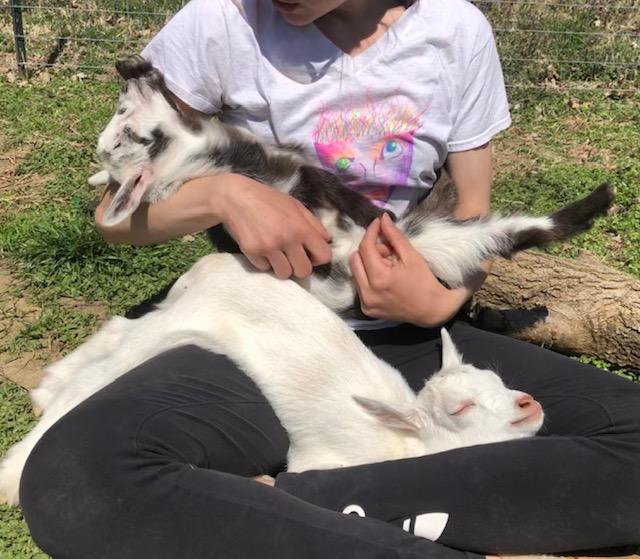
[[15, 314], [17, 311]]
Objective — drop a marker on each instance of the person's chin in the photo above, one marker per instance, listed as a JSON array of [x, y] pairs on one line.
[[292, 13]]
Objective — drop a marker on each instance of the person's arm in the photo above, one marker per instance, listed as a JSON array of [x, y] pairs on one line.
[[472, 174], [273, 230], [195, 207], [403, 287]]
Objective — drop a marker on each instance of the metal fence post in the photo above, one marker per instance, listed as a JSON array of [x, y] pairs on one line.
[[18, 36]]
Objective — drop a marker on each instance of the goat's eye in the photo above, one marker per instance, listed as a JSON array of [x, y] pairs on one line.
[[463, 407]]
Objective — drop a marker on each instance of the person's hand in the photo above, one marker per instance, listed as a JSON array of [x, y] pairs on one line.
[[265, 480], [274, 230], [395, 283]]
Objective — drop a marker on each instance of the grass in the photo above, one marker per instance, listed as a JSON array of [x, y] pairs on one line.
[[561, 144], [16, 420], [61, 252], [558, 149]]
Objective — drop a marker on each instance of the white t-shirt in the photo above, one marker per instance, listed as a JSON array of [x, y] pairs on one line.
[[383, 120]]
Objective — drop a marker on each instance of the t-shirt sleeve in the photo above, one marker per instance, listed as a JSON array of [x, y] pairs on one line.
[[191, 50], [483, 109]]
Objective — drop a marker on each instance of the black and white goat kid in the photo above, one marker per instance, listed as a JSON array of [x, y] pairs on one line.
[[151, 149]]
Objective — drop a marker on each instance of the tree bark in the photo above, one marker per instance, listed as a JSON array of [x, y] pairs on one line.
[[572, 306]]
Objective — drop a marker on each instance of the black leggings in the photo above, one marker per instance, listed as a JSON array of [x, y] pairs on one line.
[[155, 465]]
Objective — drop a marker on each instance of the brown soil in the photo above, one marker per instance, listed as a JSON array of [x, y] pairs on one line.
[[19, 191], [15, 314], [522, 152], [7, 62]]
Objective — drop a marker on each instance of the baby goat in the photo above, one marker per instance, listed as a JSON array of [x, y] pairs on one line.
[[151, 149], [339, 403]]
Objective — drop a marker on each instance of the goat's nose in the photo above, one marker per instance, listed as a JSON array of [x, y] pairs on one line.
[[525, 401]]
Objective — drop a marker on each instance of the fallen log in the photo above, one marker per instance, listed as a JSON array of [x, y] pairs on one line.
[[572, 306]]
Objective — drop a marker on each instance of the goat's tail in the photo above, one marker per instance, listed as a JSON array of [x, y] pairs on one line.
[[568, 221], [455, 249]]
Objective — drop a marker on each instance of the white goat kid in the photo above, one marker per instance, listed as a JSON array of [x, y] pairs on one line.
[[151, 149], [311, 367]]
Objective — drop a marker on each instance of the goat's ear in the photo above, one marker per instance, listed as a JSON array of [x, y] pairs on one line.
[[450, 355], [133, 67], [99, 178], [127, 198], [407, 417]]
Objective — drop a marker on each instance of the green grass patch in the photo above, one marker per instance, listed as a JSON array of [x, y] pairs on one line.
[[606, 366], [70, 111], [16, 419], [560, 147], [566, 42], [616, 237], [60, 251], [66, 326]]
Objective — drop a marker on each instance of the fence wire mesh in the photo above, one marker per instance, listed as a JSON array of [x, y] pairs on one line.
[[569, 45]]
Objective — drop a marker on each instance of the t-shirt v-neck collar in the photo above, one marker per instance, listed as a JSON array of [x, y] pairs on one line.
[[305, 55], [345, 63]]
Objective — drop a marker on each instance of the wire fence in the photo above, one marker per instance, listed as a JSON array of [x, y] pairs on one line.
[[567, 45]]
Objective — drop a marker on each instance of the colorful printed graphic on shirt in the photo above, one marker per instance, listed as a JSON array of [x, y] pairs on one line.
[[370, 146]]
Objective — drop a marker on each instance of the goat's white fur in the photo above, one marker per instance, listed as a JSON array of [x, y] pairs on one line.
[[340, 404], [454, 251]]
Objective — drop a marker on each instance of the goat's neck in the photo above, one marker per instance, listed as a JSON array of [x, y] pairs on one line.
[[186, 157], [406, 445]]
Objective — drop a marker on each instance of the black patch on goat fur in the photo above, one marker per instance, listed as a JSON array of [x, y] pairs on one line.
[[131, 135], [318, 189], [159, 143], [413, 224], [251, 159], [220, 238], [324, 270], [135, 67], [149, 304], [294, 147], [343, 223], [282, 166], [243, 157], [440, 201], [570, 220], [334, 271], [339, 274]]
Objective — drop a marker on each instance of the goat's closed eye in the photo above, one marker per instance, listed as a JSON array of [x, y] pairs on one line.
[[463, 407]]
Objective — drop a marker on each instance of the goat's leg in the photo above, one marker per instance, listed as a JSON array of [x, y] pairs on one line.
[[97, 347], [13, 463], [455, 250]]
